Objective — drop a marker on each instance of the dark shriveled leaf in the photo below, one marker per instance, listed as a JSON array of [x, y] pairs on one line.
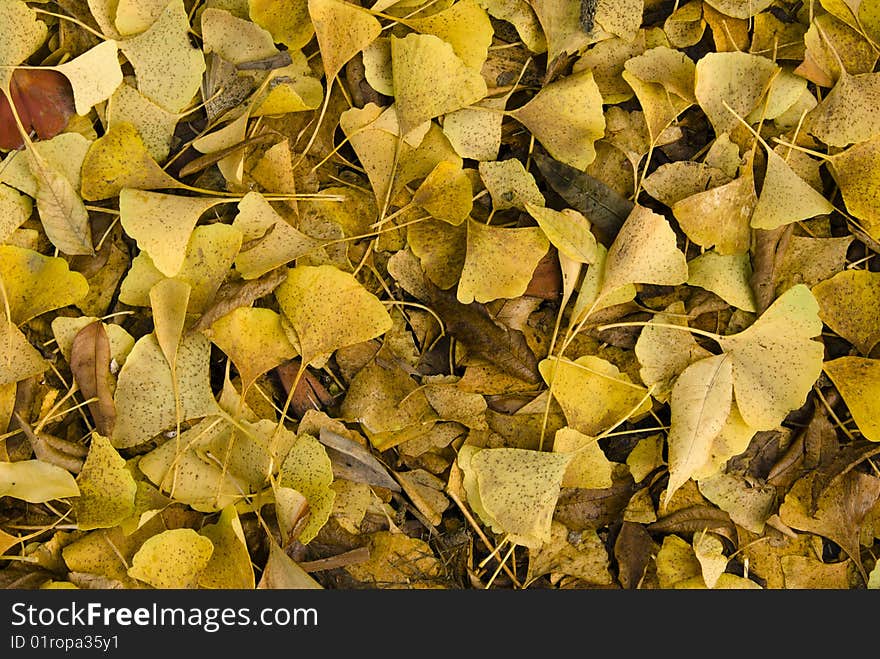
[[353, 462], [581, 509], [90, 365], [237, 294], [696, 519], [632, 550], [847, 459]]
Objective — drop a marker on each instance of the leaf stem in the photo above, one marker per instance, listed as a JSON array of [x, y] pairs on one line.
[[683, 328]]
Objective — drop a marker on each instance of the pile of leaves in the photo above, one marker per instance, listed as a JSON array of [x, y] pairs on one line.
[[439, 294]]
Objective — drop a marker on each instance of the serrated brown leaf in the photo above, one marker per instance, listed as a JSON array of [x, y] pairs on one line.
[[483, 336], [90, 365]]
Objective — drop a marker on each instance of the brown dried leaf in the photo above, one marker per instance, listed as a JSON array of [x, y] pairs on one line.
[[90, 365]]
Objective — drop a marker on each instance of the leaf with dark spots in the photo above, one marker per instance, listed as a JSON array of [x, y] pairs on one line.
[[847, 459], [632, 550], [353, 462], [603, 207], [580, 509], [54, 450], [233, 295], [812, 448], [695, 519], [483, 336], [90, 365], [44, 102]]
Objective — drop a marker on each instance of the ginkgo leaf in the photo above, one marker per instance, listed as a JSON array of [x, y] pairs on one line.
[[766, 393], [518, 488], [120, 159], [499, 262], [208, 257], [566, 117], [107, 488], [147, 400], [94, 75], [446, 193], [287, 20], [36, 481], [62, 212], [90, 358], [375, 148], [591, 298], [786, 197], [509, 184], [135, 16], [858, 381], [664, 353], [709, 551], [589, 467], [465, 26], [593, 393], [747, 505], [34, 284], [728, 276], [19, 360], [674, 181], [441, 248], [169, 299], [15, 209], [173, 559], [64, 154], [700, 403], [668, 67], [343, 30], [162, 224], [644, 252], [307, 469], [23, 34], [235, 39], [278, 242], [855, 172], [253, 339], [561, 24], [329, 309], [720, 217], [430, 79], [282, 572], [848, 304], [168, 68], [733, 439], [738, 8], [568, 230], [847, 114], [734, 79], [475, 131], [230, 565], [521, 15], [153, 123]]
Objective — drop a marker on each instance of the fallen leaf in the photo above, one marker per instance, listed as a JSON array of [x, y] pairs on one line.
[[35, 481], [172, 559], [107, 489], [858, 381], [90, 356]]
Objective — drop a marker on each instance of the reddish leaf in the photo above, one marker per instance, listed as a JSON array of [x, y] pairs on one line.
[[90, 365], [44, 101]]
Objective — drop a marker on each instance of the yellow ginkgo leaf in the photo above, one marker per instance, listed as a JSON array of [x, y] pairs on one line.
[[566, 117], [169, 299], [720, 217], [858, 381], [36, 481], [376, 148], [509, 184], [329, 309], [739, 80], [590, 297], [153, 123], [848, 304], [664, 352], [135, 16], [120, 159], [709, 551], [593, 394], [173, 559], [766, 393], [307, 469], [23, 34], [739, 8], [499, 262], [733, 439], [168, 68], [518, 488], [561, 23], [786, 197], [209, 255], [568, 230], [589, 467], [15, 209], [64, 154], [446, 193], [147, 400], [34, 284], [230, 565], [162, 224], [465, 25], [19, 360], [584, 557], [441, 249], [65, 329], [521, 15], [107, 488], [672, 69], [274, 241], [235, 39], [644, 252], [287, 20], [430, 79], [291, 89], [856, 173], [343, 30], [748, 505], [475, 131], [93, 76], [253, 339], [282, 572], [700, 403], [728, 276], [847, 115]]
